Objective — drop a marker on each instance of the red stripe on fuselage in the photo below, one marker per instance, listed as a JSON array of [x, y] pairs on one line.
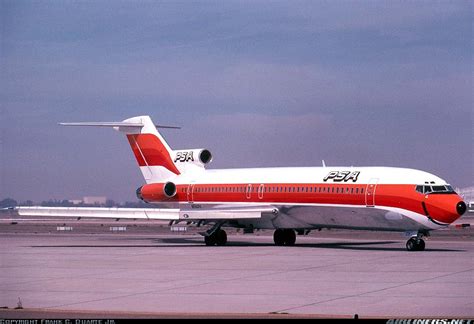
[[348, 194], [150, 151], [403, 196]]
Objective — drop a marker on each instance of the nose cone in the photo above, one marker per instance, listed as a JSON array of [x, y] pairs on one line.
[[445, 208], [461, 208]]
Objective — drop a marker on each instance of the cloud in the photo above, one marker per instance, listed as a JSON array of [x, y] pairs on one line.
[[258, 139], [260, 83]]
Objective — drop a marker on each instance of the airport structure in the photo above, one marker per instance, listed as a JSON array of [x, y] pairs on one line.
[[468, 195]]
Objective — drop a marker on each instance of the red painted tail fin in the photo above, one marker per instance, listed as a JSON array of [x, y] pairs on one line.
[[153, 154]]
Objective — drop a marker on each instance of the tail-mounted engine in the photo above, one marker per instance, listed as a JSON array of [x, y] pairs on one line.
[[185, 159], [156, 192]]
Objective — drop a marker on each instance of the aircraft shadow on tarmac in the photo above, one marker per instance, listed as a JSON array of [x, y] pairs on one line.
[[190, 242], [366, 245]]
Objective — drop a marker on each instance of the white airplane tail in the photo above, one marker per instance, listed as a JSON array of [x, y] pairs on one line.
[[157, 161]]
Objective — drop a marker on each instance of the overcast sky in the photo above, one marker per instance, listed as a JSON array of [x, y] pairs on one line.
[[259, 83]]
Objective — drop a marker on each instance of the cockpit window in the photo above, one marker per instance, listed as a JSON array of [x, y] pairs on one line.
[[425, 189]]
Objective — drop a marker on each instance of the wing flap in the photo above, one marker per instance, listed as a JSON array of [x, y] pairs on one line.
[[214, 214], [227, 212]]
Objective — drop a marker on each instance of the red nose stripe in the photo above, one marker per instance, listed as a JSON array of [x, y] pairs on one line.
[[149, 150]]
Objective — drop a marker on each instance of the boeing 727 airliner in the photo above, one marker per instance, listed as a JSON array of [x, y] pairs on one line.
[[287, 200]]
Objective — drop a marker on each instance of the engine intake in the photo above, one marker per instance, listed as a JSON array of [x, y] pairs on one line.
[[139, 193], [169, 189], [199, 157], [205, 156], [156, 192]]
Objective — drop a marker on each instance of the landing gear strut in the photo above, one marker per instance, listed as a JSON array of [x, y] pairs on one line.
[[285, 236], [219, 237], [416, 243]]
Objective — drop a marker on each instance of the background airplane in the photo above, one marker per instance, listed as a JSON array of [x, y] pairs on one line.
[[288, 200]]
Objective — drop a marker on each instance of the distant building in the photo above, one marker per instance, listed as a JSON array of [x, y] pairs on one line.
[[75, 201], [468, 195], [94, 200]]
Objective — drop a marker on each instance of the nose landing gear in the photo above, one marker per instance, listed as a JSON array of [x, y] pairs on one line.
[[416, 243]]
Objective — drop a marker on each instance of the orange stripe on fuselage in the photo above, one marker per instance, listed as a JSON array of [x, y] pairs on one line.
[[149, 151], [403, 196], [349, 194]]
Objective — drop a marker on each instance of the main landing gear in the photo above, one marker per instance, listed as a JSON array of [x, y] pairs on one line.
[[416, 243], [218, 237], [285, 236]]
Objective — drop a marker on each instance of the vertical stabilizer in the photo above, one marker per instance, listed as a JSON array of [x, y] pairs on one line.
[[153, 154]]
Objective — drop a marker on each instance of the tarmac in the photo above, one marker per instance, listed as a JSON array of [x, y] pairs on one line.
[[92, 269]]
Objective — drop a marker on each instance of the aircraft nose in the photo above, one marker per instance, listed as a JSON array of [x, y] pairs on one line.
[[461, 208]]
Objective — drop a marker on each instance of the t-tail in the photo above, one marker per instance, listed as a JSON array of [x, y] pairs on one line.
[[157, 161]]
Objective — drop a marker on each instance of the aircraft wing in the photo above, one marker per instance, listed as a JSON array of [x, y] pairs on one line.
[[216, 213], [223, 212], [99, 212]]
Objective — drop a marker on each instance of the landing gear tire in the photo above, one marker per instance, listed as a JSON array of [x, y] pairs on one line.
[[421, 245], [279, 237], [290, 237], [284, 237], [210, 240], [414, 244], [219, 237]]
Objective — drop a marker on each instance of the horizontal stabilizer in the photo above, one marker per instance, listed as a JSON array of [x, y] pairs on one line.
[[115, 124]]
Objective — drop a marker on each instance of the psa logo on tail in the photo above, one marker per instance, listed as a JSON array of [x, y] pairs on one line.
[[185, 156]]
